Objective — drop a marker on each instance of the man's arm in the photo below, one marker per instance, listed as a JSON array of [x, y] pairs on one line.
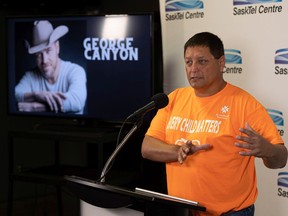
[[53, 100], [76, 89], [277, 158], [157, 150], [31, 107]]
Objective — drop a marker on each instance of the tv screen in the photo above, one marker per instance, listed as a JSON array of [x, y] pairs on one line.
[[90, 67]]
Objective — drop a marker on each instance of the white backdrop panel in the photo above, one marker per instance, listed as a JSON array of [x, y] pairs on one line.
[[257, 36]]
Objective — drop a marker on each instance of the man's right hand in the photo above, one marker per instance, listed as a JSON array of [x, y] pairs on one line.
[[54, 100]]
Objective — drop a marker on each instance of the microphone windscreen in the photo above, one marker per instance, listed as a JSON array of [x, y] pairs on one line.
[[161, 100]]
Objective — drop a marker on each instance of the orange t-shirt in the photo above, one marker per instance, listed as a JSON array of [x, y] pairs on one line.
[[219, 179]]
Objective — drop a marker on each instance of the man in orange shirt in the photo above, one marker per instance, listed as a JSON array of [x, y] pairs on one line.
[[210, 134]]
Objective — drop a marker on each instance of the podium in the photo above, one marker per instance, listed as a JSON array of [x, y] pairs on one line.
[[149, 202]]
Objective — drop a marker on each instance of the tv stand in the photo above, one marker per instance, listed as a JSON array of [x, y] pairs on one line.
[[78, 127], [97, 141]]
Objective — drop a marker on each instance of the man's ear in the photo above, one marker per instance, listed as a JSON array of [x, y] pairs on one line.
[[222, 61]]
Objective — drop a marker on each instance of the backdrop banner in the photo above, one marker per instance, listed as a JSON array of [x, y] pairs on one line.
[[255, 36]]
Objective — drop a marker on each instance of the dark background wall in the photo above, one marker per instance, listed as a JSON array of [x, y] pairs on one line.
[[11, 8]]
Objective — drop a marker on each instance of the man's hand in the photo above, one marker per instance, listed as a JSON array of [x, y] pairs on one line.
[[189, 148], [54, 100], [253, 144]]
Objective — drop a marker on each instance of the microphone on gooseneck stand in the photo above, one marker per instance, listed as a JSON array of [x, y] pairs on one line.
[[158, 101]]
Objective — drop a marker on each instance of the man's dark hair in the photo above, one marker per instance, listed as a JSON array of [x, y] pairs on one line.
[[213, 42]]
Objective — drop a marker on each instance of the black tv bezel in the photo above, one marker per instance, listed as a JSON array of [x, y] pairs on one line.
[[156, 69]]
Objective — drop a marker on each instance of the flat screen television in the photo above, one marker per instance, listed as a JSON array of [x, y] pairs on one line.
[[116, 52]]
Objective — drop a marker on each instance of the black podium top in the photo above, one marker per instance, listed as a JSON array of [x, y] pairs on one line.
[[108, 196]]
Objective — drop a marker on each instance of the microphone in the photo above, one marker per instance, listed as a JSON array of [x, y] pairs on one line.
[[158, 101]]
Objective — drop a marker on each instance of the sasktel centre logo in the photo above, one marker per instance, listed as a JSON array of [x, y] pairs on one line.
[[183, 9], [252, 7], [282, 184], [277, 117], [233, 61], [281, 61]]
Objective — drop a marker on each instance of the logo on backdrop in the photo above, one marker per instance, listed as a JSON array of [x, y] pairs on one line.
[[281, 61], [183, 9], [233, 61], [282, 183], [277, 117], [250, 7]]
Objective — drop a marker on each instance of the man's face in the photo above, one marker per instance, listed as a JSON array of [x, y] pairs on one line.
[[47, 60], [203, 71]]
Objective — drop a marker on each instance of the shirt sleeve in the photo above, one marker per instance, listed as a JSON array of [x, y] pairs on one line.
[[261, 121], [26, 84], [76, 92]]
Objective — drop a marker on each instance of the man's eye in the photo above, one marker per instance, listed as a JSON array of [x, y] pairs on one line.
[[202, 61]]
